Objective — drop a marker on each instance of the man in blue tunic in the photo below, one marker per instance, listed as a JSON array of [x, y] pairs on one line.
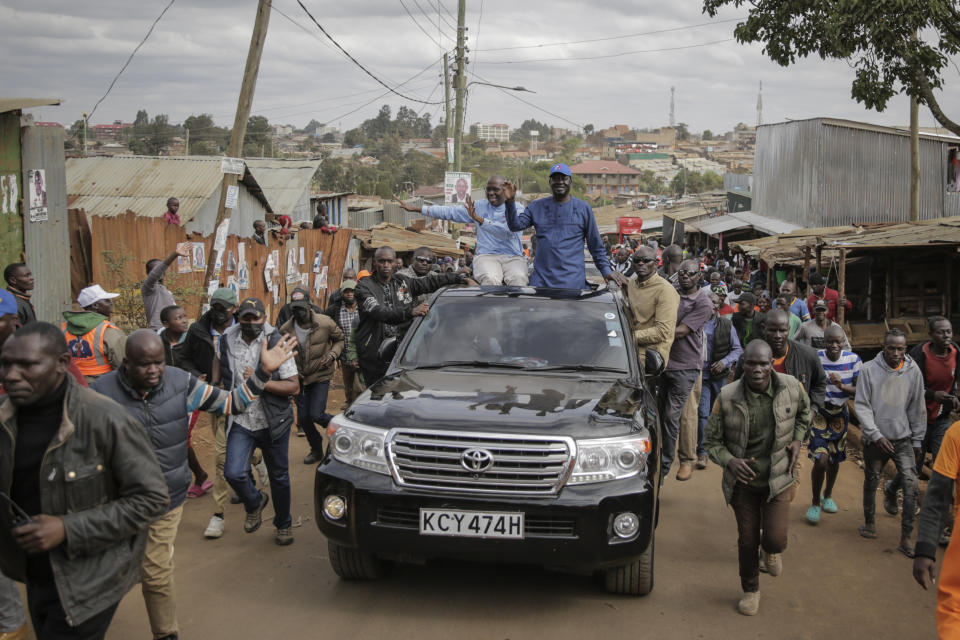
[[562, 224]]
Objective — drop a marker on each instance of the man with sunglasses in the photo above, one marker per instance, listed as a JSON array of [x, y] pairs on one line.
[[562, 223], [420, 266], [686, 357], [653, 304]]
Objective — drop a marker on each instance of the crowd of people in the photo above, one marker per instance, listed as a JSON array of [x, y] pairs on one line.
[[97, 462]]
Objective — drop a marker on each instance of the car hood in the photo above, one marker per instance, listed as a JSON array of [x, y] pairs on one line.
[[509, 401]]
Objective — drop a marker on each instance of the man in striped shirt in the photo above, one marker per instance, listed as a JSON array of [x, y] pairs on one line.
[[828, 435]]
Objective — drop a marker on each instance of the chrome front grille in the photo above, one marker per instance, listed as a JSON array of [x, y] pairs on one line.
[[520, 465]]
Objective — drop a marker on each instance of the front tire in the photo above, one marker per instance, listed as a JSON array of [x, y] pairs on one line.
[[353, 564], [634, 579]]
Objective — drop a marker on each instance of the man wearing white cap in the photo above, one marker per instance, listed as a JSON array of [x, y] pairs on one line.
[[97, 346]]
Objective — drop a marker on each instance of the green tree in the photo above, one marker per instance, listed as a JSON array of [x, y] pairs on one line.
[[312, 127], [353, 137], [142, 119], [588, 129], [76, 129], [206, 139], [707, 135], [257, 136], [894, 46], [683, 133], [328, 137], [523, 132]]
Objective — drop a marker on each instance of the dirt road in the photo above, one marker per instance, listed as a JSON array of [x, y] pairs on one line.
[[835, 583]]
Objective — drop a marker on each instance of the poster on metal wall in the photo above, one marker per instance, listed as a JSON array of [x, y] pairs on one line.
[[243, 276], [9, 193], [37, 192], [456, 186], [199, 256], [292, 274], [183, 261]]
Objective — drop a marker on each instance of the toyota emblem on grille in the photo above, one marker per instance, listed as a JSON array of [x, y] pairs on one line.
[[476, 460]]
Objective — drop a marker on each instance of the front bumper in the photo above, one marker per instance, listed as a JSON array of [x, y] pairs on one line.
[[571, 531]]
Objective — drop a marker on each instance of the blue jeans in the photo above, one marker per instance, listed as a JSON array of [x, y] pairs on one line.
[[935, 433], [240, 445], [874, 460], [709, 391], [312, 408]]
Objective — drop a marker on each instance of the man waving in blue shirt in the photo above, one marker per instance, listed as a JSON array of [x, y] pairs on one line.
[[562, 225], [499, 258]]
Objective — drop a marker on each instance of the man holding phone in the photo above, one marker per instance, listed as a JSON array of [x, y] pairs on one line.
[[83, 472]]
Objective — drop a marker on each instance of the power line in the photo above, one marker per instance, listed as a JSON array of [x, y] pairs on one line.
[[125, 64], [302, 28], [449, 24], [419, 26], [354, 60], [629, 35], [614, 55], [514, 95]]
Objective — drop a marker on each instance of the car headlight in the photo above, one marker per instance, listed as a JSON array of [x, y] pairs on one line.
[[357, 445], [606, 459]]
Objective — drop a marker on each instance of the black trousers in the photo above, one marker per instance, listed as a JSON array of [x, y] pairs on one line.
[[50, 621]]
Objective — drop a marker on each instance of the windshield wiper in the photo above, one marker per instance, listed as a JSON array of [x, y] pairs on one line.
[[468, 363], [577, 367]]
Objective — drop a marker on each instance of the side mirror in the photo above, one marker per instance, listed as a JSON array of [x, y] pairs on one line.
[[653, 364], [387, 349]]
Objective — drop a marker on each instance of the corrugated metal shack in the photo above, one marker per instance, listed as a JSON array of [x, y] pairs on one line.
[[286, 185], [105, 187], [823, 172], [404, 242], [895, 274], [38, 238]]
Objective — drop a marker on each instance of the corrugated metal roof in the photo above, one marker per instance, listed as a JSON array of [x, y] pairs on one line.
[[721, 224], [15, 104], [784, 247], [765, 224], [110, 186], [399, 239], [283, 181]]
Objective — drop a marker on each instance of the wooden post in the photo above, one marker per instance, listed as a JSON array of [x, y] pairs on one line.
[[914, 160], [842, 277], [235, 149], [888, 290], [819, 258], [806, 273]]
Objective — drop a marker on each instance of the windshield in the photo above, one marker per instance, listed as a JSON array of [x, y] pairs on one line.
[[519, 332]]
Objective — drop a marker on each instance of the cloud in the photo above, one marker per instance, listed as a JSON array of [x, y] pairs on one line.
[[193, 63]]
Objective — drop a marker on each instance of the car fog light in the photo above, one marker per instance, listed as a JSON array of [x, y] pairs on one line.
[[334, 507], [626, 525]]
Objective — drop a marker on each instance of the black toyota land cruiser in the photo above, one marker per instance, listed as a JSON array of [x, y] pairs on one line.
[[514, 425]]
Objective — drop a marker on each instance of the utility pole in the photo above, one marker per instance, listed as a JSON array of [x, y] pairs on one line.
[[186, 143], [244, 103], [446, 119], [914, 160], [460, 80], [84, 133]]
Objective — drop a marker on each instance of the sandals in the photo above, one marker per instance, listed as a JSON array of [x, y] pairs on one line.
[[813, 514], [906, 550], [866, 531], [197, 490], [828, 505]]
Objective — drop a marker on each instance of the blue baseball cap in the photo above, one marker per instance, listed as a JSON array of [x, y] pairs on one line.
[[560, 168], [8, 304]]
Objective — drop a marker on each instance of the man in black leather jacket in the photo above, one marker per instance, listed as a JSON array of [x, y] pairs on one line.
[[386, 301]]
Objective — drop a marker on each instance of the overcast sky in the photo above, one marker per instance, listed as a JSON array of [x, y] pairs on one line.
[[193, 63]]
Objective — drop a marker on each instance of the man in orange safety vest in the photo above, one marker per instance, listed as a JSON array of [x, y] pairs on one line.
[[97, 346]]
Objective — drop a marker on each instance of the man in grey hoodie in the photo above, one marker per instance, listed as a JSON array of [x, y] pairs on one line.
[[893, 415]]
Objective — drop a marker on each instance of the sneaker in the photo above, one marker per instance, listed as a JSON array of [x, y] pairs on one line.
[[829, 506], [890, 499], [284, 536], [255, 517], [235, 499], [773, 563], [749, 604], [313, 458], [685, 472], [301, 434], [813, 514], [702, 462], [214, 528]]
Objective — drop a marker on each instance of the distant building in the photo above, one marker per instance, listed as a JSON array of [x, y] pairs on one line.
[[48, 124], [607, 177], [494, 132], [282, 130], [826, 172], [109, 131]]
